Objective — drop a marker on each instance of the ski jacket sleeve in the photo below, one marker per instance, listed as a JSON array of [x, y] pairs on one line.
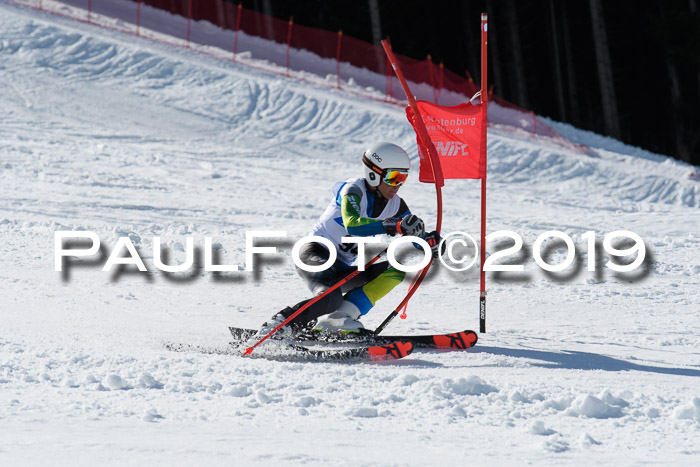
[[355, 224], [351, 212]]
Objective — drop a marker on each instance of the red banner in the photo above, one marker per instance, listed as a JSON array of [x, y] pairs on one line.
[[456, 134]]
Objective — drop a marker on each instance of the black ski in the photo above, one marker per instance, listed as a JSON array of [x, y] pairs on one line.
[[393, 351], [456, 341]]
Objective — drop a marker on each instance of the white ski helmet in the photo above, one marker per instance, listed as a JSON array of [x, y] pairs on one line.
[[386, 161]]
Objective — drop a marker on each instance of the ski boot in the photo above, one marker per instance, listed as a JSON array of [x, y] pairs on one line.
[[345, 320], [284, 334]]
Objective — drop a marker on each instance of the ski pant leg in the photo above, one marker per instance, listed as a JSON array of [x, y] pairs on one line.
[[376, 287], [314, 254]]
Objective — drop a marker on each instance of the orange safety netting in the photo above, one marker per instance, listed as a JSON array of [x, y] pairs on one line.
[[227, 26]]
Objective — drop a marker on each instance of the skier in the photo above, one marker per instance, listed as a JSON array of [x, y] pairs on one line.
[[360, 207]]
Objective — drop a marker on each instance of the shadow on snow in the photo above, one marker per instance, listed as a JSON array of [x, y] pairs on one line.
[[573, 360]]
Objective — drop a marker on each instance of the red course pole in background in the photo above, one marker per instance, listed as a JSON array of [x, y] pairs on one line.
[[337, 56], [431, 76], [138, 18], [89, 9], [469, 76], [289, 40], [189, 19], [238, 26], [484, 124], [441, 81]]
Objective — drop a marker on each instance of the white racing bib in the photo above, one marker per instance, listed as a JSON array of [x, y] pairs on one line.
[[330, 224]]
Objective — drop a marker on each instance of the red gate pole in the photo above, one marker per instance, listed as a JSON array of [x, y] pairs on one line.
[[189, 19], [89, 9], [484, 124], [437, 176], [238, 26], [422, 131], [337, 56], [289, 40]]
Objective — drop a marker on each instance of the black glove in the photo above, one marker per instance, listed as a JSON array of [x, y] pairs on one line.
[[433, 238], [408, 225]]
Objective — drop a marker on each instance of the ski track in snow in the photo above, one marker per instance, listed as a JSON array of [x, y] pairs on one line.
[[106, 132]]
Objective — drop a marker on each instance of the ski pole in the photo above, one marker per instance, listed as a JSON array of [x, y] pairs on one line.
[[318, 297]]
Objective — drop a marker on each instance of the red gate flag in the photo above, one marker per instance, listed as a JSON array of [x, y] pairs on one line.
[[456, 134]]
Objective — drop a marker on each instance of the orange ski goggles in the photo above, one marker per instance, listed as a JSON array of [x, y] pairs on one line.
[[395, 177], [392, 177]]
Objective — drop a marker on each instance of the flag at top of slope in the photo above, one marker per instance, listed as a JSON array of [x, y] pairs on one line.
[[456, 134]]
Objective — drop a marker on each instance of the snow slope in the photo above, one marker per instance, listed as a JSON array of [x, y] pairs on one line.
[[125, 137]]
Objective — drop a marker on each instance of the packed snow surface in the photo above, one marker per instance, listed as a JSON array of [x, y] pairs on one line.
[[125, 137]]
